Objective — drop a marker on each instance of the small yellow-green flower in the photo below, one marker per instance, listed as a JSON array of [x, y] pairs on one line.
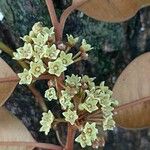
[[32, 34], [48, 31], [51, 52], [37, 27], [37, 68], [17, 56], [89, 105], [24, 52], [40, 39], [27, 50], [108, 123], [46, 122], [70, 116], [104, 100], [114, 102], [38, 53], [27, 39], [66, 58], [71, 40], [86, 81], [56, 67], [73, 80], [91, 93], [83, 140], [50, 94], [90, 131], [25, 76], [65, 100], [107, 111], [85, 47], [103, 88]]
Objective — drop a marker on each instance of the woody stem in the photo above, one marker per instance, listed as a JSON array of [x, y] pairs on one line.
[[54, 19], [70, 137]]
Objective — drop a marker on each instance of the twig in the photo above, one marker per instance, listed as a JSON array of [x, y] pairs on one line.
[[78, 59], [39, 98], [52, 12], [75, 56], [32, 144], [70, 137], [54, 20], [58, 137], [68, 11]]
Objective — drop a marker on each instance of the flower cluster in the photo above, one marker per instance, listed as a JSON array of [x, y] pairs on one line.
[[85, 106], [42, 54]]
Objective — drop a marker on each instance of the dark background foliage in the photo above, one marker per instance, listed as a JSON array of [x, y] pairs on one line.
[[115, 45]]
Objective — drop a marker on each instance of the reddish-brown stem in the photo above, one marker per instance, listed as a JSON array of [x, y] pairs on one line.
[[68, 11], [59, 84], [38, 97], [59, 139], [64, 17], [59, 26], [54, 20], [32, 144], [70, 137], [52, 12]]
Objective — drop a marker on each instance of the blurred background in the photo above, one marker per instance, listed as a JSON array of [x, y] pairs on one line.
[[115, 46]]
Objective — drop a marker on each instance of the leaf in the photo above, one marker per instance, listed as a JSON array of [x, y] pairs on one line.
[[111, 10], [6, 88], [132, 90], [11, 129]]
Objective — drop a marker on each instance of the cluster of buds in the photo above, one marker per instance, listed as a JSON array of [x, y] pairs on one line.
[[43, 56], [86, 106]]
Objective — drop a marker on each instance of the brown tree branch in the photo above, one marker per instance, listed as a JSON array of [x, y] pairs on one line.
[[68, 11], [70, 137], [59, 139], [52, 12], [38, 97], [54, 20]]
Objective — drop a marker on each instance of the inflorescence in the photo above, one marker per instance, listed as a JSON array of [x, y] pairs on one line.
[[86, 106]]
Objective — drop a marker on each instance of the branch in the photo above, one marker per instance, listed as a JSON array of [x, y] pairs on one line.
[[52, 13], [32, 144], [59, 139], [70, 137], [38, 97], [68, 11], [54, 19], [59, 26]]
